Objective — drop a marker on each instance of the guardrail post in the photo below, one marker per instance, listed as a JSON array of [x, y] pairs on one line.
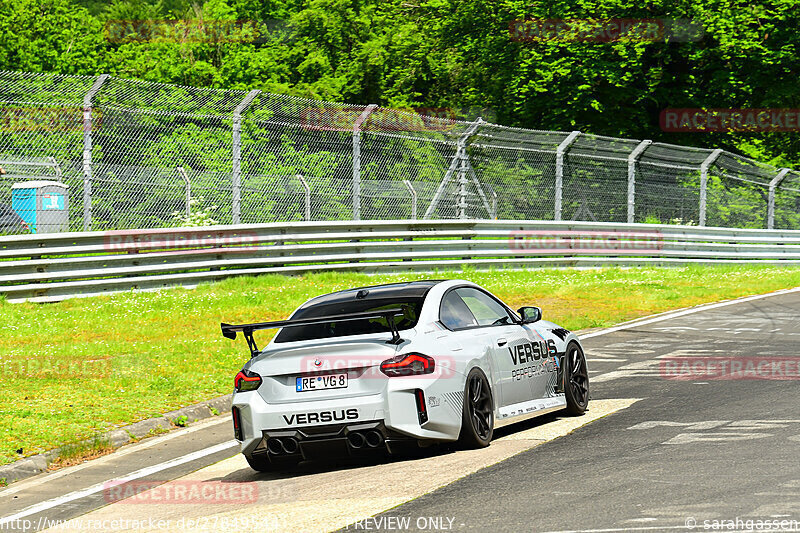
[[187, 189], [87, 150], [560, 153], [704, 166], [771, 202], [307, 189], [357, 159], [632, 158], [413, 199], [236, 174]]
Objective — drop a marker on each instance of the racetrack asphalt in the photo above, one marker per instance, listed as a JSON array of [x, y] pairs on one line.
[[669, 452], [691, 455]]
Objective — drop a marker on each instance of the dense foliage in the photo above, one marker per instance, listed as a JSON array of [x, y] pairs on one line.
[[439, 53]]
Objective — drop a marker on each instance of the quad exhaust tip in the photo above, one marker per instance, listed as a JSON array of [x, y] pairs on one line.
[[373, 438], [282, 445], [366, 439], [356, 439]]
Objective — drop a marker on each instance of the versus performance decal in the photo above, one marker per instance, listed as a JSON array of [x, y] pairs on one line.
[[531, 351], [322, 416]]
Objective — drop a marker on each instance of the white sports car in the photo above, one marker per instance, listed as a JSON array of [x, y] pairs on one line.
[[374, 369]]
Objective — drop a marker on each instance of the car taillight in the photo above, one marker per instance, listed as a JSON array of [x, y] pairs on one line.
[[246, 381], [409, 364]]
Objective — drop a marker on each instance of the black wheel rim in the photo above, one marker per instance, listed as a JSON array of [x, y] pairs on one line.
[[480, 407], [578, 376]]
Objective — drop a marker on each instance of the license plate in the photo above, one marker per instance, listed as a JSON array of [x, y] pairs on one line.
[[328, 381]]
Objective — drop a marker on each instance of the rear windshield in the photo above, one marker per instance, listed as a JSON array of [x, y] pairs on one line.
[[410, 306]]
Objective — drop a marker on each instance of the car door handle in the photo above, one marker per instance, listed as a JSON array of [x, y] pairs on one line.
[[501, 342]]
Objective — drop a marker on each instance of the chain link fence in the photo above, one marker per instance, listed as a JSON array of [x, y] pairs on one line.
[[145, 155]]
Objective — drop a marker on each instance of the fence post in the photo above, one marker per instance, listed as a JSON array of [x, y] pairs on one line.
[[357, 160], [236, 176], [632, 158], [771, 205], [87, 150], [413, 199], [307, 197], [187, 189], [560, 152], [462, 188], [704, 166]]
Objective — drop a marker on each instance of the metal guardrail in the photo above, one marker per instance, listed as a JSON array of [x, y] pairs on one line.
[[52, 267]]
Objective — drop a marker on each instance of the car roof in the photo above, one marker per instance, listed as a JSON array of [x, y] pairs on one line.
[[410, 289]]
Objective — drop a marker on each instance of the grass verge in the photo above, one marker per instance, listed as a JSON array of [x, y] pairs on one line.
[[76, 368]]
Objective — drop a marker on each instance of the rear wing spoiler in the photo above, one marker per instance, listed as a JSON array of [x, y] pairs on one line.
[[230, 330]]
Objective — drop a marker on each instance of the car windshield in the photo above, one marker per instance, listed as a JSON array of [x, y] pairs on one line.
[[410, 305]]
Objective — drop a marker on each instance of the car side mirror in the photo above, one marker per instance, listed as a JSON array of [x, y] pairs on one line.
[[530, 314]]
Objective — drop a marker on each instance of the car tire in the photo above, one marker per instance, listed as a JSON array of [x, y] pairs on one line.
[[261, 463], [477, 420], [576, 380]]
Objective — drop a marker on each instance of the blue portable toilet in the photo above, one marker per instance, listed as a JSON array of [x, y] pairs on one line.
[[44, 205]]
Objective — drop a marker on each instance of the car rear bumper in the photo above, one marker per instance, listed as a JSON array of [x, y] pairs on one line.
[[394, 414]]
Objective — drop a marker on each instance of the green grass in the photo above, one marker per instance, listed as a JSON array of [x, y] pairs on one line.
[[76, 368]]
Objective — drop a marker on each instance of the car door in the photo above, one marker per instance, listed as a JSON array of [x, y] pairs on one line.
[[497, 327], [543, 369]]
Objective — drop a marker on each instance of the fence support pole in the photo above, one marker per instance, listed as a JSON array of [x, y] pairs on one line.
[[87, 150], [187, 185], [307, 189], [771, 205], [704, 166], [357, 160], [560, 152], [460, 156], [413, 199], [632, 158], [236, 175]]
